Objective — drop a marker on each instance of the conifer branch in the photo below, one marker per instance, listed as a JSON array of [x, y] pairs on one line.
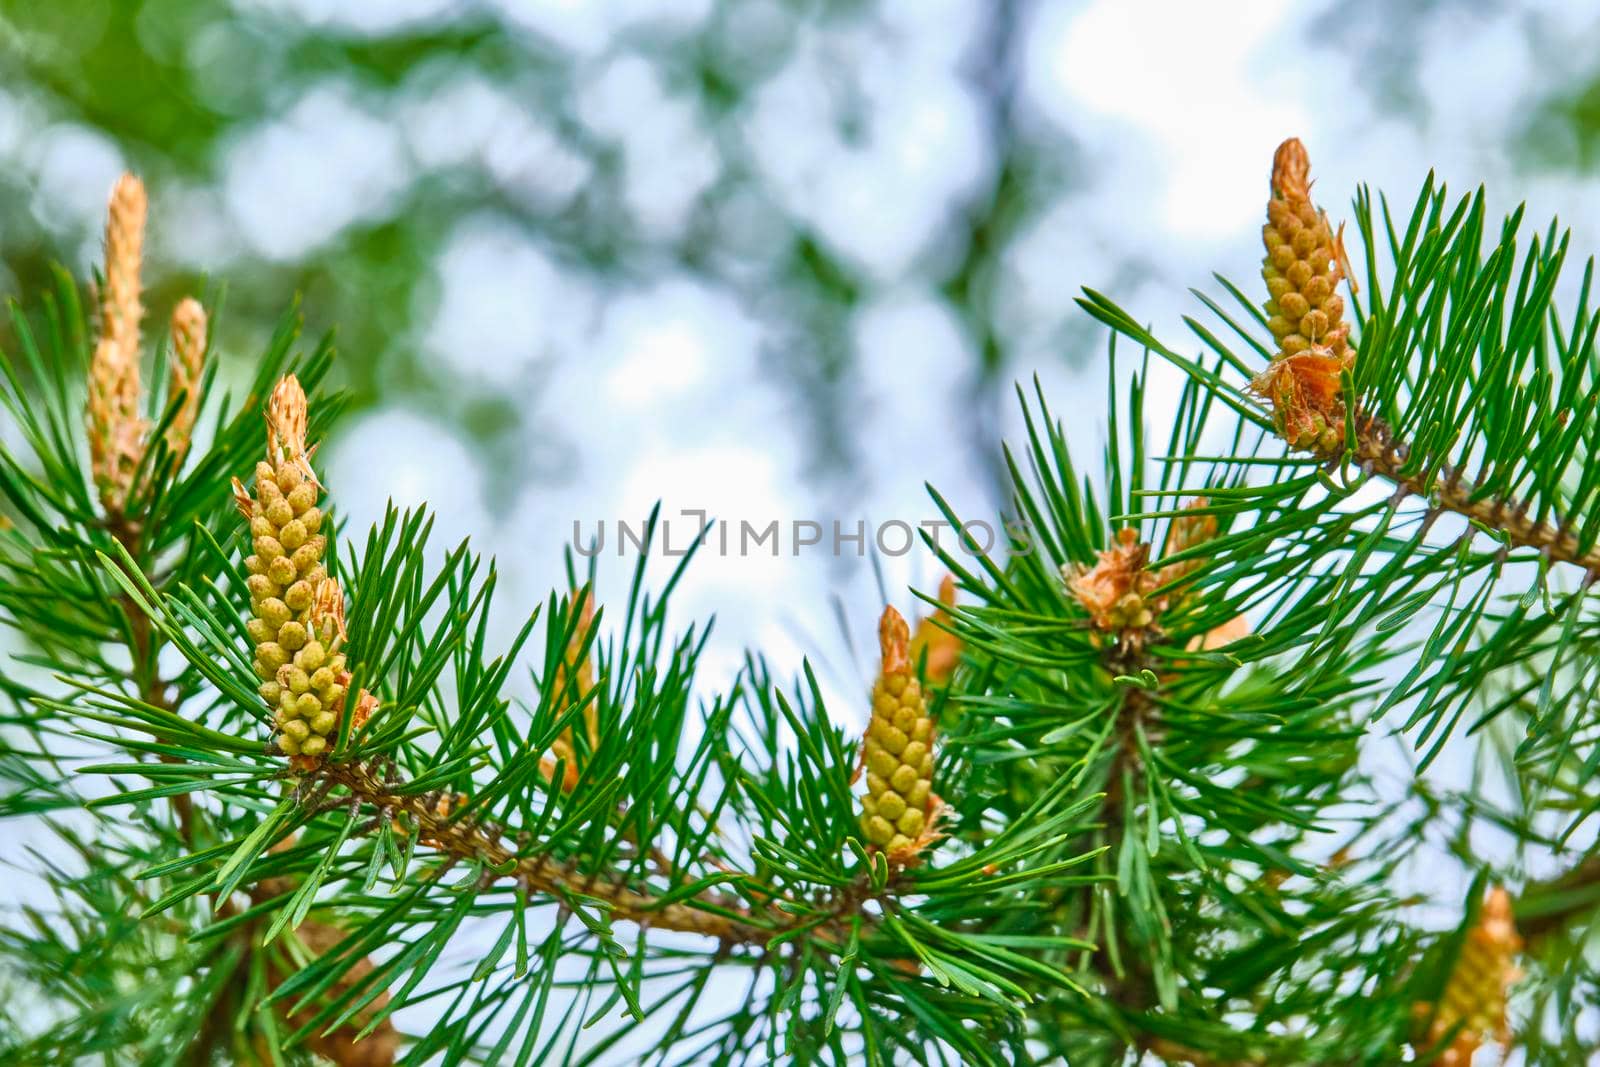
[[117, 440], [1122, 857], [1303, 251], [468, 840], [1377, 452], [1119, 595]]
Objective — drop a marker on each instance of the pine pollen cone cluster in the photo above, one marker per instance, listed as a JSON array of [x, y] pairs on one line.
[[1119, 591], [297, 611], [1303, 267], [899, 810], [1116, 590], [1474, 997], [118, 432]]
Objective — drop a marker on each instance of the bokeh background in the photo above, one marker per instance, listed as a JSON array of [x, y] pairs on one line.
[[769, 258]]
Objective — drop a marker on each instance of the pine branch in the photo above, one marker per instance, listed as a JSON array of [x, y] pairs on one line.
[[1125, 653], [1447, 488], [480, 845], [1463, 365], [1138, 759], [137, 466]]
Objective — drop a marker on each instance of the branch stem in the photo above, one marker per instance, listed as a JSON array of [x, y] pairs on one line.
[[1378, 452], [466, 839]]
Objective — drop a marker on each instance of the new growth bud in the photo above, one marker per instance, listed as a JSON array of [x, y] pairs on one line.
[[187, 364], [120, 309], [116, 430], [1189, 530], [899, 810], [118, 433]]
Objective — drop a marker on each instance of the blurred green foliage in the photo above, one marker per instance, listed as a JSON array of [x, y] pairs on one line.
[[171, 86]]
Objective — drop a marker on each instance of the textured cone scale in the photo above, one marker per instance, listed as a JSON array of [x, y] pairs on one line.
[[937, 649], [1475, 995], [116, 430], [297, 612], [899, 809], [1303, 267], [120, 308]]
